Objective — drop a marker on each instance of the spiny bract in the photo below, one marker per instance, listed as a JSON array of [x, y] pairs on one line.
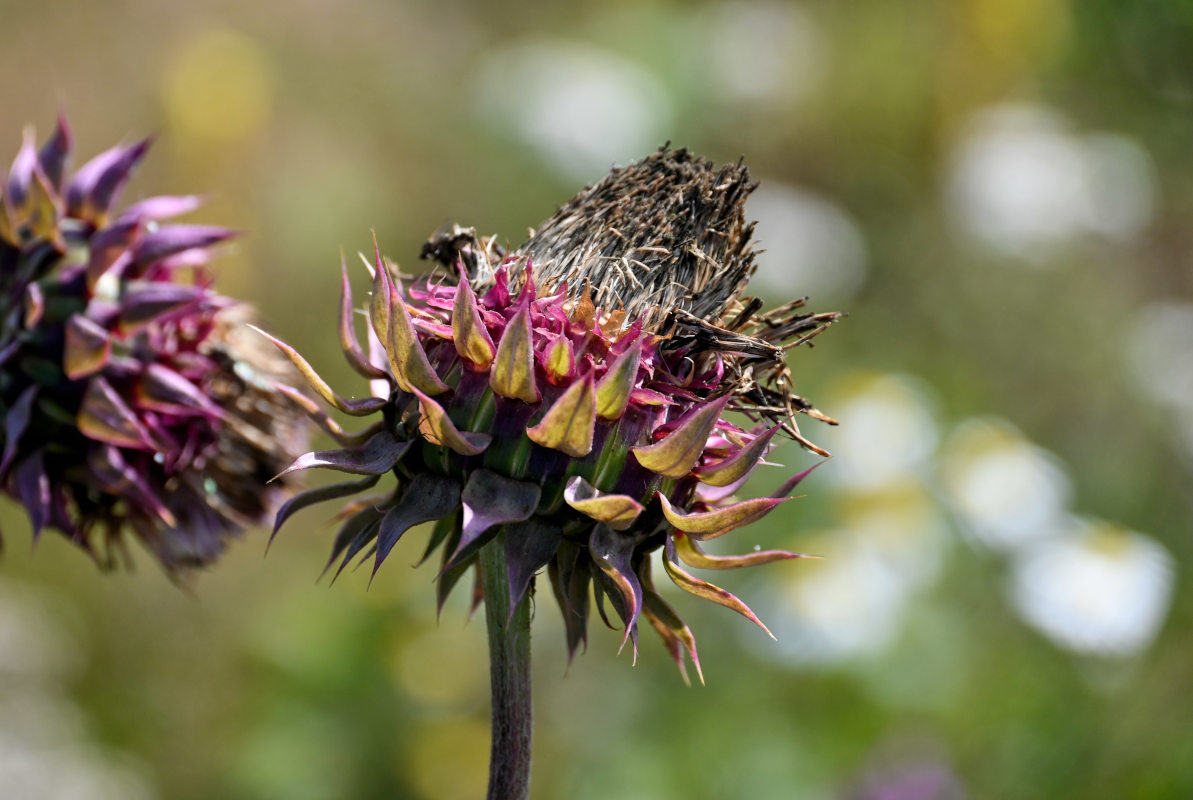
[[573, 394], [130, 392]]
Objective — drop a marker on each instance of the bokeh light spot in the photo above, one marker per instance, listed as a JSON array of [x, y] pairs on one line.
[[1099, 589], [218, 88], [449, 760], [1005, 490]]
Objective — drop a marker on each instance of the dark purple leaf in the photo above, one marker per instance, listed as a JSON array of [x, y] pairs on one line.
[[318, 495], [377, 456], [449, 574], [20, 175], [359, 530], [443, 528], [164, 207], [529, 546], [12, 347], [177, 238], [428, 497], [15, 423], [88, 347], [162, 389], [33, 487], [146, 302], [54, 154], [613, 552], [94, 187], [35, 305], [118, 477], [106, 417], [107, 247], [569, 580], [490, 500]]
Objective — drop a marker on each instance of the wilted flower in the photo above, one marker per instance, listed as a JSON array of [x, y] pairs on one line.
[[131, 394], [573, 394]]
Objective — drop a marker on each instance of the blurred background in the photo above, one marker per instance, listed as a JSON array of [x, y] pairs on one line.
[[999, 191]]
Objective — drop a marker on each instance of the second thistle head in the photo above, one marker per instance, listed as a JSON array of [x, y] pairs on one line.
[[574, 394], [132, 398]]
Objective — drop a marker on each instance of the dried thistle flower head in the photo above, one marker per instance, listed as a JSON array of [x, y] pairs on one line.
[[573, 395], [131, 397]]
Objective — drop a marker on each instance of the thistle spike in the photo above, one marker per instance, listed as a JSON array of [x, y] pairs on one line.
[[319, 495], [325, 422], [675, 634], [55, 153], [613, 390], [383, 289], [711, 524], [377, 456], [94, 187], [569, 423], [618, 511], [356, 408], [705, 589], [512, 373], [613, 552], [732, 469], [490, 500], [407, 359], [690, 553], [560, 362], [88, 347], [111, 247], [349, 344], [471, 339], [439, 429], [105, 416], [676, 454], [427, 498], [529, 546]]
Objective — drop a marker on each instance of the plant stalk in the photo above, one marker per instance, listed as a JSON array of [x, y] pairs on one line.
[[509, 673]]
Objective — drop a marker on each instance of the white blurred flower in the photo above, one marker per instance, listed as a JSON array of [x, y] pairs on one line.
[[847, 606], [1005, 490], [759, 51], [1098, 590], [887, 433], [903, 526], [581, 107], [1159, 345], [811, 246], [31, 771], [43, 749], [1023, 183]]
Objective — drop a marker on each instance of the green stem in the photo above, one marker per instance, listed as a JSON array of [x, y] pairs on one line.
[[509, 672]]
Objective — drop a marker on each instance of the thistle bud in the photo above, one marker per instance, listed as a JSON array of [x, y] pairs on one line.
[[574, 394]]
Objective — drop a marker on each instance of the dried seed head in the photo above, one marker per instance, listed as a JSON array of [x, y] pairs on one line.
[[667, 233]]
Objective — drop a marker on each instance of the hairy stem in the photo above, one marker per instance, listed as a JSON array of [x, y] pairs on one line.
[[509, 671]]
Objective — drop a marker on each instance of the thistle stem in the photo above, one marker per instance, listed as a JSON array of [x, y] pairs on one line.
[[509, 673]]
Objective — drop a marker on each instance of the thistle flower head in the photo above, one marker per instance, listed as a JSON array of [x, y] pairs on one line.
[[130, 396], [574, 394]]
